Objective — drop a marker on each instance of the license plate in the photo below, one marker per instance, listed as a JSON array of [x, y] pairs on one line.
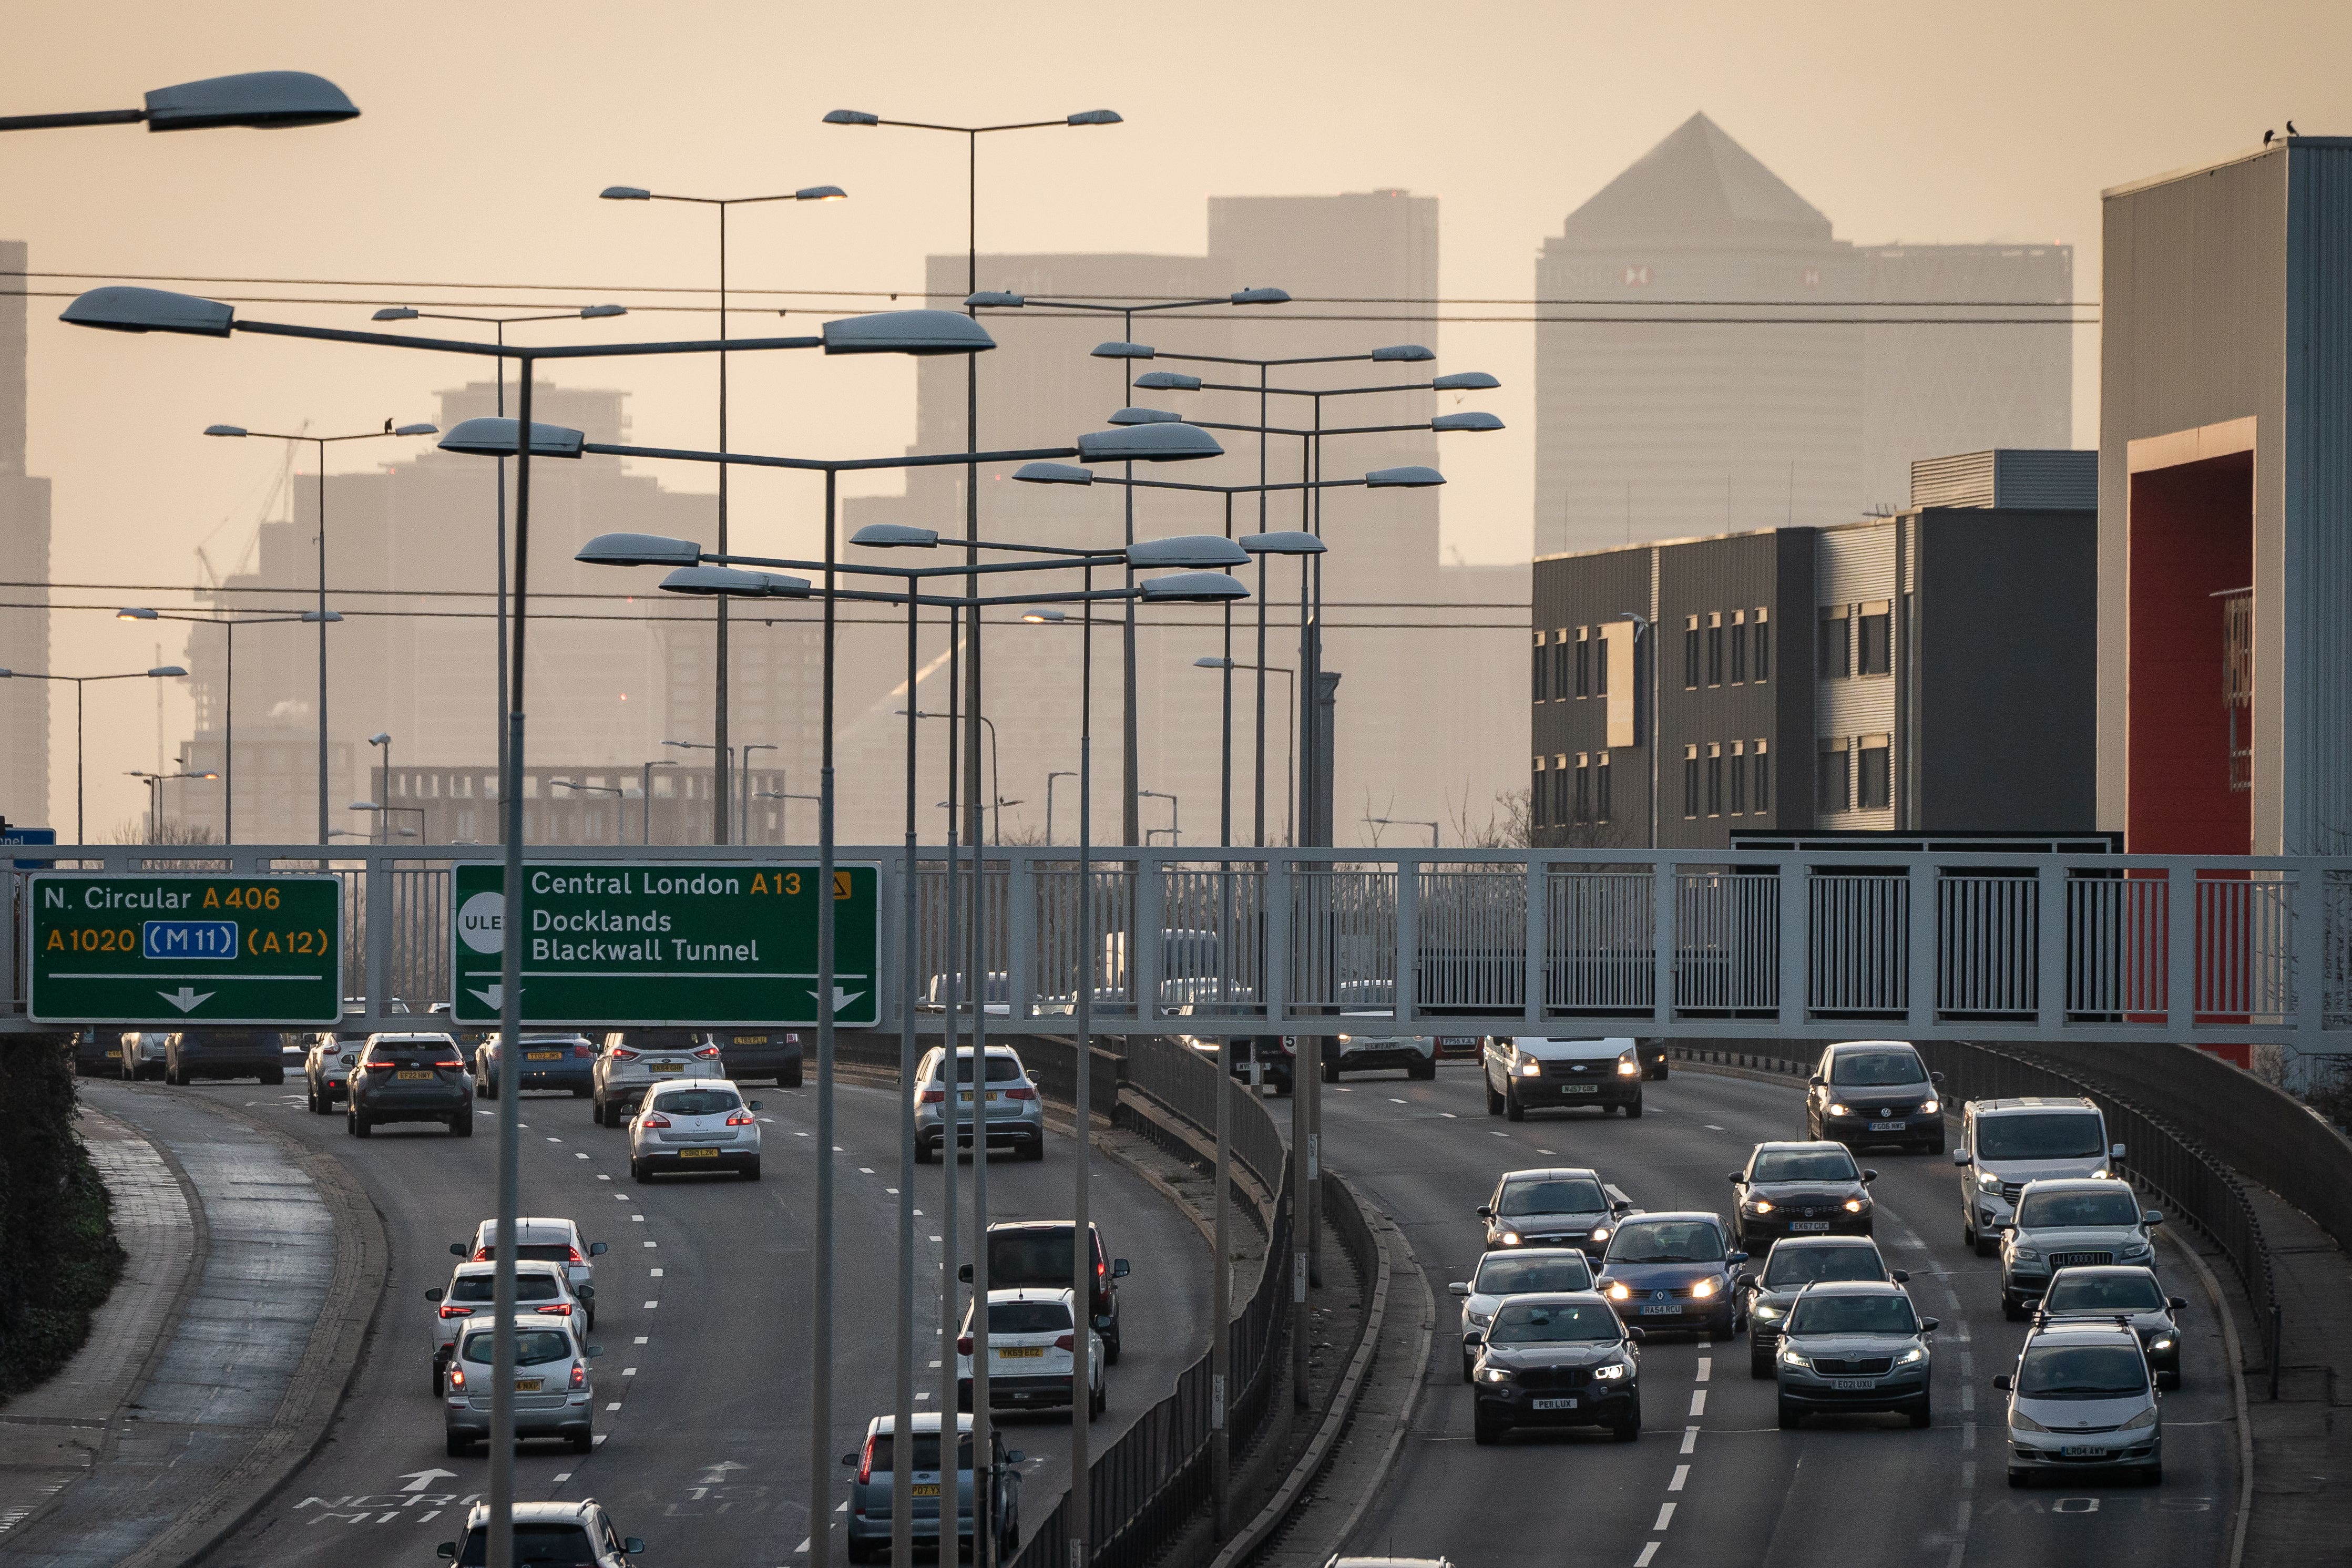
[[1023, 1352], [2080, 1451], [527, 1385], [1580, 1089], [698, 1154], [1853, 1385], [1887, 1126], [113, 1056], [1554, 1404], [1809, 1225], [927, 1488], [1672, 1310], [413, 1077], [667, 1067], [750, 1039], [542, 1056]]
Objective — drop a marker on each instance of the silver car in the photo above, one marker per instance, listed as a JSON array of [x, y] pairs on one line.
[[552, 1395], [697, 1124], [631, 1061], [539, 1287], [1501, 1274], [2082, 1398], [2079, 1223], [548, 1241], [1854, 1345], [871, 1485], [1015, 1112], [1368, 1046], [2004, 1144], [327, 1070]]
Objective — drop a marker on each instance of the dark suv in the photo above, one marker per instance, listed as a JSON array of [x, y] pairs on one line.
[[761, 1053], [1036, 1252], [411, 1078], [194, 1053]]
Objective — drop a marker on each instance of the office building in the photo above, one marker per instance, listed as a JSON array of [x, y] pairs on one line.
[[25, 706], [582, 805]]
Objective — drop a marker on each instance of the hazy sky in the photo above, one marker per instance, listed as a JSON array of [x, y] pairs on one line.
[[488, 131]]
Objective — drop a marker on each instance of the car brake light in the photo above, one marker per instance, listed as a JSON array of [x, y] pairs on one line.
[[935, 1096], [556, 1309], [481, 1254], [1022, 1091], [742, 1119], [376, 1066], [706, 1051], [451, 1310], [578, 1376], [865, 1464], [456, 1377], [964, 1346], [622, 1053], [575, 1253], [453, 1063], [653, 1119], [1067, 1342], [583, 1050]]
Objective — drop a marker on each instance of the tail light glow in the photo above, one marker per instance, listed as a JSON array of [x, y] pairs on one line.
[[1021, 1091], [622, 1053], [706, 1051], [456, 1377], [653, 1119], [450, 1065], [935, 1096], [1067, 1342], [866, 1463], [742, 1119], [451, 1310], [575, 1256], [579, 1375]]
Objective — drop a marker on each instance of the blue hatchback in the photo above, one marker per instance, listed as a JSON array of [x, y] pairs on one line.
[[1672, 1269], [548, 1061]]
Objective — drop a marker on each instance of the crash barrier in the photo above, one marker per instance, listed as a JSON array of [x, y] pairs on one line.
[[2189, 1180]]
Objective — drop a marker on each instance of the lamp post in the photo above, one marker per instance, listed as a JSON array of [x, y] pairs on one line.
[[500, 323], [995, 778], [1057, 773], [1175, 826], [719, 805], [781, 794], [383, 740], [743, 812], [646, 794], [160, 671], [259, 100], [1290, 763], [154, 780], [383, 827], [614, 790], [321, 442], [1406, 822], [228, 624], [722, 765], [133, 310]]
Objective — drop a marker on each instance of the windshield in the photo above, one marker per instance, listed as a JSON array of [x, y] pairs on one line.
[[2051, 1211], [533, 1347], [1503, 1275], [1553, 1324], [1853, 1315], [476, 1289], [1030, 1257], [2042, 1135], [1793, 1266], [699, 1101], [1667, 1242], [2076, 1292], [1001, 1069], [1578, 1196], [1804, 1164], [927, 1452], [1868, 1068], [537, 1545], [2081, 1372]]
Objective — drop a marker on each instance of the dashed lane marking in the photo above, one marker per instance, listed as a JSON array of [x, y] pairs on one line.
[[1698, 1398], [1647, 1552], [1711, 1126], [1449, 1115], [1666, 1515], [615, 1405], [655, 1273], [1395, 1100], [1690, 1434], [1495, 1134], [651, 1305], [642, 1338], [1705, 1368], [1682, 1474]]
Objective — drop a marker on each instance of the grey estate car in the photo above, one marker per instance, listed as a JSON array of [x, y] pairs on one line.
[[1013, 1114], [2070, 1224], [870, 1485]]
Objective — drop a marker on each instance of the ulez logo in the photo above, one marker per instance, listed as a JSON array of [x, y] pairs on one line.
[[482, 923]]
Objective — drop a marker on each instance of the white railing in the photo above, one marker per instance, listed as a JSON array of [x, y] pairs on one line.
[[1754, 944]]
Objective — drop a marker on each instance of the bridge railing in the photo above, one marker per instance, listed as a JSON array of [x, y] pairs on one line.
[[1717, 944]]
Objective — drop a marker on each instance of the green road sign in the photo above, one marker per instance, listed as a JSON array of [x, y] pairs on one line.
[[186, 949], [664, 943]]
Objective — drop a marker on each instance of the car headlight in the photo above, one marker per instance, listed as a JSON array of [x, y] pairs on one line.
[[1788, 1357], [1627, 1067], [1620, 1292], [1601, 1233], [1987, 1182], [2139, 1249], [1615, 1372], [1529, 1069], [2159, 1344], [1854, 1206], [1510, 1238], [1495, 1375], [1767, 1311], [1838, 1110], [1704, 1289], [1478, 1319], [2024, 1255], [2102, 1175], [1930, 1107], [1345, 1039], [2025, 1423], [1760, 1205], [2144, 1419], [1911, 1357]]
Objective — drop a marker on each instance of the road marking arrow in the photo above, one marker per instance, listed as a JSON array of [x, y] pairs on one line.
[[188, 998], [722, 1466], [490, 994], [419, 1479]]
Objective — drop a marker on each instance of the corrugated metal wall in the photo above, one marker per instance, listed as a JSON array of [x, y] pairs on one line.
[[2314, 674]]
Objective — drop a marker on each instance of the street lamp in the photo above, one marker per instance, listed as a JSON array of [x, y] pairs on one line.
[[500, 324], [321, 442], [995, 778], [259, 100], [722, 764], [1056, 773], [718, 800], [1406, 822], [784, 795], [1175, 833], [743, 813], [384, 812], [124, 308], [646, 794], [382, 740], [1290, 762], [613, 790], [153, 780], [228, 624], [160, 671]]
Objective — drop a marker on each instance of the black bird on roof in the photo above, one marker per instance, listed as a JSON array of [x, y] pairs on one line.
[[2290, 131], [2268, 136]]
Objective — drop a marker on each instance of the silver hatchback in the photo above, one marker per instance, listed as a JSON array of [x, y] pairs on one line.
[[1013, 1114], [699, 1124], [633, 1061]]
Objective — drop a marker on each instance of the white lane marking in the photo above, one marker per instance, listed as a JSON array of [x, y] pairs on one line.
[[840, 1508], [555, 1140], [1682, 1474], [1647, 1552], [935, 1366], [562, 1477], [638, 1218], [1666, 1515], [653, 1243], [655, 1273], [615, 1405], [1710, 1126], [620, 1197], [868, 1170], [598, 1441], [578, 1156], [641, 1339], [1690, 1439], [1698, 1402], [628, 1372], [839, 1150], [923, 1393], [1968, 1396], [1346, 1091], [1968, 1434], [938, 1239], [1495, 1134], [890, 1190], [1543, 1151], [803, 1544], [600, 1175], [768, 1119], [651, 1305], [1705, 1368], [1395, 1100]]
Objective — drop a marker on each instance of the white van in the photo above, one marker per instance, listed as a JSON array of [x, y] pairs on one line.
[[2004, 1144]]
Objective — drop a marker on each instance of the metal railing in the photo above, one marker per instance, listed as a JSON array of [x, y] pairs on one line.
[[1756, 944]]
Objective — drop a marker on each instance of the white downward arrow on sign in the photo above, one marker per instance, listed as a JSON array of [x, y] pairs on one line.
[[188, 998], [490, 994], [419, 1479], [842, 999]]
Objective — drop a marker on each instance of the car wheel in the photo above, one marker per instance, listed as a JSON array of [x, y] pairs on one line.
[[1330, 1073], [584, 1442], [459, 1447], [1469, 1366], [793, 1081], [2011, 1311], [1631, 1428], [275, 1077], [1664, 1069], [436, 1380], [1097, 1402], [752, 1171], [487, 1088], [461, 1124], [637, 1172], [361, 1125], [1967, 1233], [311, 1100], [1987, 1246], [1633, 1112], [1110, 1348], [1035, 1150], [1487, 1432], [1936, 1144], [2019, 1479], [1923, 1413], [923, 1152], [170, 1074], [2154, 1475], [1790, 1416], [1512, 1110], [2168, 1379], [1493, 1101], [1759, 1365], [1427, 1071], [860, 1552], [582, 1094]]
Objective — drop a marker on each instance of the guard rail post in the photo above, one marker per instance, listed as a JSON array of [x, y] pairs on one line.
[[2180, 950], [2309, 970], [1920, 894], [1147, 940], [1406, 994], [2051, 945], [1663, 884], [1275, 932], [1020, 935], [1535, 984], [375, 931], [1796, 944]]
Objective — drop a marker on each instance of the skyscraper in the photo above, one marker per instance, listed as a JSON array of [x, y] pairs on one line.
[[25, 706]]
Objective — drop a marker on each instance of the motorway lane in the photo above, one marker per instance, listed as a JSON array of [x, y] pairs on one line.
[[1713, 1477], [702, 1390]]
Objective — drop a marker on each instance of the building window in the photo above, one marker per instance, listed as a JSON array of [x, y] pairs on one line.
[[1584, 660], [1690, 782], [1872, 650], [1832, 783], [1690, 653], [1584, 786], [1763, 771], [1536, 801], [1738, 768], [1738, 646], [1536, 671], [1714, 649], [1836, 654], [1714, 780], [1873, 779], [1560, 789], [1602, 806], [1559, 664], [1763, 645], [1599, 664]]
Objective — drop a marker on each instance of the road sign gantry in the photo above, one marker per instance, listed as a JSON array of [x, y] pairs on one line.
[[202, 949]]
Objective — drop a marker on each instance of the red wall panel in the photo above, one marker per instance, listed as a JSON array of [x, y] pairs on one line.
[[2191, 537]]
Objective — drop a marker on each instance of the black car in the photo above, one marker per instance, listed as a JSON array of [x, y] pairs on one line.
[[2106, 1292], [1799, 1261], [1036, 1252], [1556, 1359], [194, 1053], [1553, 1206], [1271, 1059], [1653, 1059], [410, 1078], [1875, 1091], [1796, 1189], [95, 1053], [770, 1053]]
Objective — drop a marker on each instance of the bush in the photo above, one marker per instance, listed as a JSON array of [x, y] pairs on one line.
[[63, 1258]]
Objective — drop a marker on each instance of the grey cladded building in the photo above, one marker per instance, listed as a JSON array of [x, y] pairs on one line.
[[1935, 669]]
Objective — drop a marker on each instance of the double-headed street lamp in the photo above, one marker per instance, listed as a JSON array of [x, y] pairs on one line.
[[259, 101], [228, 625], [153, 780], [614, 790], [132, 309], [781, 795], [995, 776], [384, 831], [160, 671], [720, 807], [321, 442]]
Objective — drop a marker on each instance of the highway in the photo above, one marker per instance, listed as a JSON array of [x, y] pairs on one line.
[[701, 1412], [1713, 1478]]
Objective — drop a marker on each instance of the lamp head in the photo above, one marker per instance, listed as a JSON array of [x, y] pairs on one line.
[[1407, 353], [121, 309], [1123, 351], [1415, 477], [418, 430], [895, 535], [395, 313], [134, 613], [712, 581], [165, 672], [492, 437], [1145, 416], [381, 738], [1202, 551], [315, 616], [595, 312], [1261, 297], [1211, 662], [259, 100], [820, 193], [988, 296], [365, 806], [1167, 380], [852, 117], [1286, 541], [1093, 117], [1052, 474], [625, 194], [1148, 444], [1465, 422], [224, 430], [1466, 380], [1192, 587], [639, 550], [907, 332], [1044, 615]]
